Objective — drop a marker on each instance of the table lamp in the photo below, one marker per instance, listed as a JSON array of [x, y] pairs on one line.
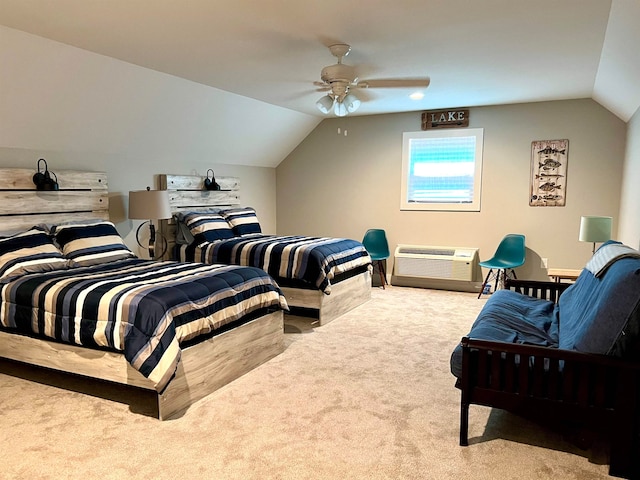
[[595, 229], [149, 205]]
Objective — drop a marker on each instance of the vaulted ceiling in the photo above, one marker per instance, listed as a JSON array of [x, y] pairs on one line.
[[474, 52]]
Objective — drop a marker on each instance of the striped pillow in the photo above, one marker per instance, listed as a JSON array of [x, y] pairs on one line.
[[243, 221], [207, 226], [91, 243], [32, 251]]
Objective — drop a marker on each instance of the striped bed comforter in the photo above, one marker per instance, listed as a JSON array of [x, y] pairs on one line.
[[315, 260], [142, 308]]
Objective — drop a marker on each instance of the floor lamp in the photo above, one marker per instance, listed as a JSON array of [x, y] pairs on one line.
[[595, 229], [149, 205]]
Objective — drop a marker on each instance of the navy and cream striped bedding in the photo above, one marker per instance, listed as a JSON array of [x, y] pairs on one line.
[[142, 308], [90, 243], [315, 260]]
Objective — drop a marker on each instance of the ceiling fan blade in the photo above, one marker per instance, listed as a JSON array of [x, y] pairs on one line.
[[322, 86], [395, 83], [295, 93], [364, 96]]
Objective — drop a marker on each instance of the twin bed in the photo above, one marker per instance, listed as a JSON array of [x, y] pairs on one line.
[[74, 298], [325, 277], [86, 305]]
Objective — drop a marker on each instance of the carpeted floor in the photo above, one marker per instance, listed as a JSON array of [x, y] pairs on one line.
[[367, 396]]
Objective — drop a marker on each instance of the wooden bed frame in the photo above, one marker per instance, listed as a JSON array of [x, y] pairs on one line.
[[186, 194], [203, 368]]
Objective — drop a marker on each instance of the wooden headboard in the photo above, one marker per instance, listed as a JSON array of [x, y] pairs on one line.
[[187, 193], [82, 195]]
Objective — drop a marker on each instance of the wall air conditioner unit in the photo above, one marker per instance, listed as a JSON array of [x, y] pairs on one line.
[[446, 268]]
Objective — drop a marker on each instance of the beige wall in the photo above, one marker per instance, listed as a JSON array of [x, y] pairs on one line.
[[80, 110], [339, 185], [61, 98], [629, 231]]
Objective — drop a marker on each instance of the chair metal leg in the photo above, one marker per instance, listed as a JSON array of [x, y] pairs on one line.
[[504, 277], [383, 274], [486, 279]]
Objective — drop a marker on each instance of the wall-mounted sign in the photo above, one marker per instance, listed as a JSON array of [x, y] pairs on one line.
[[548, 173], [445, 118]]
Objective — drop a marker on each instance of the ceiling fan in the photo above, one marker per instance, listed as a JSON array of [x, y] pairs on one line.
[[340, 80]]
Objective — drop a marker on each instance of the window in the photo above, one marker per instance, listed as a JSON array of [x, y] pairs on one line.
[[442, 170]]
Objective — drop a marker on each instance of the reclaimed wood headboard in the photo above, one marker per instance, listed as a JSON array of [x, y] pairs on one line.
[[187, 193], [82, 195]]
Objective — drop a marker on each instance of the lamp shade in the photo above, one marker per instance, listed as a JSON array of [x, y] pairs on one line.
[[149, 204], [340, 109], [325, 104], [595, 229], [351, 102]]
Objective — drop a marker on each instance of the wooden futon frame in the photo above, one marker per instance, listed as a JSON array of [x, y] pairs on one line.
[[595, 391]]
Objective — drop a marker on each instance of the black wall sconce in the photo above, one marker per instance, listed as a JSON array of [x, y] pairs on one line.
[[43, 180], [210, 183]]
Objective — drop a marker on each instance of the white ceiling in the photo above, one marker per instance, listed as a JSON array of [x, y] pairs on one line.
[[476, 52]]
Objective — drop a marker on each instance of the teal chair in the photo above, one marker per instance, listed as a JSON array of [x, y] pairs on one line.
[[509, 255], [375, 241]]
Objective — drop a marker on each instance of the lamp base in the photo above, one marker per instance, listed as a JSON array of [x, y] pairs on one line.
[[152, 240]]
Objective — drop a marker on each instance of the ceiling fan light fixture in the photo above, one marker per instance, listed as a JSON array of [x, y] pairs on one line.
[[351, 102], [416, 96], [325, 104], [340, 109]]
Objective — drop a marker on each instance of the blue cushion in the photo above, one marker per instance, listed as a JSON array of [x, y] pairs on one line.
[[514, 318], [594, 312]]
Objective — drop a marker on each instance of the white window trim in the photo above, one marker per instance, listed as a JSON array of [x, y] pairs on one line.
[[474, 206]]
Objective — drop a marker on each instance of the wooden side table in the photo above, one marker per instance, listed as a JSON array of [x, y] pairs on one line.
[[559, 274]]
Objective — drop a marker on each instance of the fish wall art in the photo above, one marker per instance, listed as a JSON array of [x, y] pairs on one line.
[[548, 173]]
